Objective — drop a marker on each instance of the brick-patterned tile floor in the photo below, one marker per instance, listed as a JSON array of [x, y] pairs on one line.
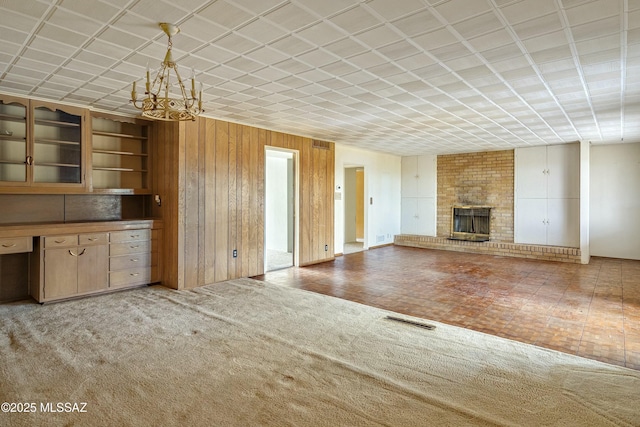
[[588, 310]]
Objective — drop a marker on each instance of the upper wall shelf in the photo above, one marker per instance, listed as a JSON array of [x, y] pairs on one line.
[[119, 154]]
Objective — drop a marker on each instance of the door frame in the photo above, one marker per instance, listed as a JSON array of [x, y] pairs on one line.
[[365, 243], [296, 203]]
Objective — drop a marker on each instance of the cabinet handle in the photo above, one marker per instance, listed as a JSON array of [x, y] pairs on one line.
[[4, 245], [135, 247], [134, 274], [92, 239], [28, 161], [134, 260], [60, 241], [133, 236], [76, 255]]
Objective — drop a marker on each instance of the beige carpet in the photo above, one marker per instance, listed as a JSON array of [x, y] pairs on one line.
[[247, 353]]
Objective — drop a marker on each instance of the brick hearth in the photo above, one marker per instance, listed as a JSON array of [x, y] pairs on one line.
[[549, 253]]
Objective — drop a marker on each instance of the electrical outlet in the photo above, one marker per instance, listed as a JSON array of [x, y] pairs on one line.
[[235, 253], [326, 248]]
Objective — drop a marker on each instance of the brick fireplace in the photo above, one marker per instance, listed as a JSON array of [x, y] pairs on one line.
[[482, 179], [477, 179]]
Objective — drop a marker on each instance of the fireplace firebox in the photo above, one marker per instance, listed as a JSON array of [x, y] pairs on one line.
[[471, 223]]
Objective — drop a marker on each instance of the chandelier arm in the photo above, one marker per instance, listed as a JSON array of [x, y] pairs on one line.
[[180, 84]]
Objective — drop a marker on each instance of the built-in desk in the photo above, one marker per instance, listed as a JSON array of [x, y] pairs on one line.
[[69, 260]]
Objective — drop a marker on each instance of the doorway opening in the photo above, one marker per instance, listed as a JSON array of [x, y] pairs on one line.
[[281, 204], [354, 210]]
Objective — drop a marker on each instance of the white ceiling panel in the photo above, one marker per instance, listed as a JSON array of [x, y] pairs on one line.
[[457, 10], [478, 25], [418, 23], [403, 76], [528, 9]]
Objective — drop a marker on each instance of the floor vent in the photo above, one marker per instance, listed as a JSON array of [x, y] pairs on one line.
[[411, 322]]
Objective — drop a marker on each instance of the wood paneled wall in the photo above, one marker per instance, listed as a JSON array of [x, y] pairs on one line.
[[210, 177]]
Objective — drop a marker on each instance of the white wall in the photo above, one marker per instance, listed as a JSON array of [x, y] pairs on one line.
[[349, 202], [382, 183], [585, 196], [615, 201]]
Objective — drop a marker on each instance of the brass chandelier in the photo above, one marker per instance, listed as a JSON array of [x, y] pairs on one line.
[[158, 103]]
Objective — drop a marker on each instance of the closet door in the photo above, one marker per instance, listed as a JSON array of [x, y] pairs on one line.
[[409, 211], [563, 177], [426, 221], [409, 172], [563, 227], [531, 221], [531, 168], [427, 179]]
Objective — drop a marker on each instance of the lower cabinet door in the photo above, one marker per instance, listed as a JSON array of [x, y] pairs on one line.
[[93, 268], [60, 273]]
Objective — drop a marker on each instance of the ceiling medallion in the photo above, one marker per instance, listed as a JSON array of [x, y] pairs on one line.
[[159, 103]]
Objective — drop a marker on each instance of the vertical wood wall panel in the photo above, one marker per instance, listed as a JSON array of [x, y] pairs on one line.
[[253, 202], [208, 228], [210, 175], [191, 206], [222, 200], [331, 182], [246, 199], [202, 174], [263, 140], [305, 206], [165, 183], [232, 272], [322, 213]]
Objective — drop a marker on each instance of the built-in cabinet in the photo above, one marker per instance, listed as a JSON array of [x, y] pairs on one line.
[[42, 145], [63, 167], [77, 264], [418, 204], [547, 190]]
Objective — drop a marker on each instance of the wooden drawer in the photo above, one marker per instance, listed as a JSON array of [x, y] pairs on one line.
[[60, 241], [131, 277], [116, 249], [125, 262], [16, 245], [93, 239], [130, 235]]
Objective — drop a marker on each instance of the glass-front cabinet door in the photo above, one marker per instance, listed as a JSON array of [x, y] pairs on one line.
[[13, 141], [42, 146], [57, 143]]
